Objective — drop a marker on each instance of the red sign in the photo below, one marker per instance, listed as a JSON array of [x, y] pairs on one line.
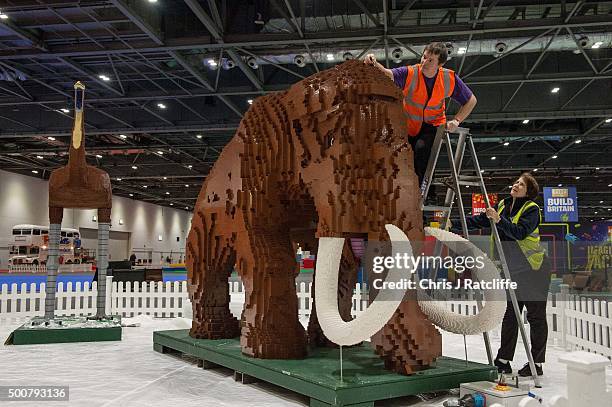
[[479, 204]]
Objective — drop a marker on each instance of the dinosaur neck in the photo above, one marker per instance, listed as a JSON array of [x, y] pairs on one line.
[[76, 156]]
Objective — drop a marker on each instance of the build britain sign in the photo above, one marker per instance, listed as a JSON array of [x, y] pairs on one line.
[[560, 204]]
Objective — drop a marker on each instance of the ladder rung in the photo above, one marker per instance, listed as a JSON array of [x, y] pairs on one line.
[[433, 208], [469, 177], [472, 183]]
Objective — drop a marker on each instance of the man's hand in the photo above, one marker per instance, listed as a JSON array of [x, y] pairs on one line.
[[492, 214], [452, 125], [370, 59]]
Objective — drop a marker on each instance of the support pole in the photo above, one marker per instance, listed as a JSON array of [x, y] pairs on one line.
[[52, 267], [102, 259]]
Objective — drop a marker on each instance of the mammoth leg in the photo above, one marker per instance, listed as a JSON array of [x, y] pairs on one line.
[[270, 324], [347, 278], [408, 342], [210, 258]]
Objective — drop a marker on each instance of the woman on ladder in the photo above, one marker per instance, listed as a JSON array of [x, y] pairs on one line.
[[517, 219]]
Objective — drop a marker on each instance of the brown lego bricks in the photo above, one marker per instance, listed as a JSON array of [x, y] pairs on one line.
[[329, 155]]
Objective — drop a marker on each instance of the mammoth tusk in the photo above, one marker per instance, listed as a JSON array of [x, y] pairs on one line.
[[326, 288], [494, 308]]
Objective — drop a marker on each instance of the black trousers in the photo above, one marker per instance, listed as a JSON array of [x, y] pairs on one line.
[[536, 316], [421, 146]]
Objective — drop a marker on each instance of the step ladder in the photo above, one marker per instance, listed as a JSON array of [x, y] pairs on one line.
[[453, 185]]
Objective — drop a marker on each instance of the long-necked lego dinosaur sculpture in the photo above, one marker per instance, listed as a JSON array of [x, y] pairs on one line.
[[82, 186]]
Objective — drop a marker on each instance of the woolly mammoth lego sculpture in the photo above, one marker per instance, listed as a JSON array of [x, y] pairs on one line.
[[328, 156]]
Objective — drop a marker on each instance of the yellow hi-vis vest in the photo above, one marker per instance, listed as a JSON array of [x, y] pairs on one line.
[[530, 246]]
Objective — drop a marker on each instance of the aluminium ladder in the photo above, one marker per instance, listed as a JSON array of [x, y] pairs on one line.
[[453, 190]]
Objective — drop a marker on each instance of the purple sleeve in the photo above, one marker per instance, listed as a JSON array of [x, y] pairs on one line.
[[399, 76], [461, 93]]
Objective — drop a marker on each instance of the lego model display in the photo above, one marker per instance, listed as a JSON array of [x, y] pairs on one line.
[[330, 152], [78, 185]]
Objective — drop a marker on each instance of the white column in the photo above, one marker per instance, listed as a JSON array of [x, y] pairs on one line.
[[52, 267], [102, 261]]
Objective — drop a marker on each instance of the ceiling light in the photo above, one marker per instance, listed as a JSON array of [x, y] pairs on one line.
[[212, 63], [554, 90], [35, 171], [535, 170], [608, 120], [493, 158], [578, 177], [134, 167], [160, 152], [3, 16], [64, 110], [40, 157], [578, 141], [123, 136], [104, 78], [152, 1], [167, 193], [131, 194], [190, 166], [461, 50], [559, 185], [609, 185], [597, 44], [171, 204], [482, 171], [198, 135], [187, 207], [252, 63], [596, 168], [600, 201], [525, 121], [118, 179], [506, 144], [250, 101], [161, 105], [330, 57], [555, 156], [144, 186], [51, 138], [596, 212], [165, 177], [98, 156], [186, 185]]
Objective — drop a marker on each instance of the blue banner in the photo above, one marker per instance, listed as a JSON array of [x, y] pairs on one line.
[[560, 204]]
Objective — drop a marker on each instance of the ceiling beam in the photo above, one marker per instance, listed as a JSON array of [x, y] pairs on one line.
[[26, 35], [152, 30]]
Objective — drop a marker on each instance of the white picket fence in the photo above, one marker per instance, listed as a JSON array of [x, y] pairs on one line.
[[575, 322]]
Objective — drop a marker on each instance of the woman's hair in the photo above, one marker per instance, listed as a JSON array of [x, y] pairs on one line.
[[533, 189], [439, 49]]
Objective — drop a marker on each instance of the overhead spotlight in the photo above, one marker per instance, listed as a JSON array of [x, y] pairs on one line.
[[64, 110], [35, 171], [506, 144], [3, 16], [152, 1], [535, 170], [131, 194], [299, 60], [608, 120], [104, 77], [227, 63], [171, 204], [493, 158], [555, 156], [165, 177], [525, 121], [501, 47], [578, 141], [597, 45], [51, 138], [330, 57], [134, 167], [397, 54], [252, 62], [190, 166], [461, 50], [250, 101], [40, 157], [123, 136], [187, 207], [198, 135], [577, 177], [554, 90], [161, 105], [212, 64], [583, 41], [559, 185], [186, 185], [167, 193], [118, 179], [160, 152], [98, 156], [144, 186], [347, 56]]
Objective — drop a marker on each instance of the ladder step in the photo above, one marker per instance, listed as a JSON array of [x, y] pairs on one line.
[[471, 183], [434, 208]]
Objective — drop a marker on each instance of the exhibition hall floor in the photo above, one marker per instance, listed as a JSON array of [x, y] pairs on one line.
[[130, 373]]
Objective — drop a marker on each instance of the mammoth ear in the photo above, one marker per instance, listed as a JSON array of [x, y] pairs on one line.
[[326, 292]]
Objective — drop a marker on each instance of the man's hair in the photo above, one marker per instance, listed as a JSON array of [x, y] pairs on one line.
[[533, 189], [439, 49]]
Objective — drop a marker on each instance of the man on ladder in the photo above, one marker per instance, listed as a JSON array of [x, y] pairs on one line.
[[425, 87]]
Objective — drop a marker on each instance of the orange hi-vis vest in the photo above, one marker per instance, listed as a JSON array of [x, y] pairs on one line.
[[418, 106]]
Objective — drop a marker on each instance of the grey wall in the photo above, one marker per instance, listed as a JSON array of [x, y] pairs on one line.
[[24, 199]]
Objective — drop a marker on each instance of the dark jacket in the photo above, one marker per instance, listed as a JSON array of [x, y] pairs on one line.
[[509, 233]]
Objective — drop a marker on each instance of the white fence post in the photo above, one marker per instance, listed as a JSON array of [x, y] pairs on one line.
[[109, 295], [562, 303]]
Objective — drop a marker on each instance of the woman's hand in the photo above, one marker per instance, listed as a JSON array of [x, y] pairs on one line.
[[492, 214]]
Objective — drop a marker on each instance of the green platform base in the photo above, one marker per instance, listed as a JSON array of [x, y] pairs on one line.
[[74, 331], [364, 378]]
